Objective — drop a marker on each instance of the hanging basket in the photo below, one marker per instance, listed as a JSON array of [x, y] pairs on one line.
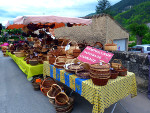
[[110, 46], [46, 85]]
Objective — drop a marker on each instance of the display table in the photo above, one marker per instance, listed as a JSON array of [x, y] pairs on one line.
[[28, 69], [100, 96]]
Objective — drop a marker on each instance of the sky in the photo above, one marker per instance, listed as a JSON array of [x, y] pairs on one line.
[[10, 9]]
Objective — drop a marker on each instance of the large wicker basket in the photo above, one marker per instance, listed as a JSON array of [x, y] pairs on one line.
[[110, 46], [60, 62], [46, 85]]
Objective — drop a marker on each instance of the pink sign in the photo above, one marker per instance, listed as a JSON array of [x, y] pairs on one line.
[[93, 55]]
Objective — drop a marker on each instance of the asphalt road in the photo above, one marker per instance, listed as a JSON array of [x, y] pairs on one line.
[[17, 95]]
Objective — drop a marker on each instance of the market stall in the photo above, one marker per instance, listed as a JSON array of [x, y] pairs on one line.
[[28, 69], [100, 96]]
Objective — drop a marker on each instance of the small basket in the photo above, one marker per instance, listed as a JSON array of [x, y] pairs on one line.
[[54, 90], [122, 71], [72, 63], [46, 85], [116, 64], [19, 54], [84, 74], [114, 74], [74, 50], [60, 62], [110, 46], [61, 99], [65, 108], [99, 81], [33, 62]]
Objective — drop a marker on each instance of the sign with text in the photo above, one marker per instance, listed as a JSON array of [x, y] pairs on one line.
[[93, 55]]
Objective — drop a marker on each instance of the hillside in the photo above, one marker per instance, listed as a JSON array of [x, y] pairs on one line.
[[138, 14], [125, 5]]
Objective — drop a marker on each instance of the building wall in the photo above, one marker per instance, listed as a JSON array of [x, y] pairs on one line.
[[102, 27]]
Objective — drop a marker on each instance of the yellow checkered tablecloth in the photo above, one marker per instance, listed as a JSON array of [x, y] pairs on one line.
[[100, 96]]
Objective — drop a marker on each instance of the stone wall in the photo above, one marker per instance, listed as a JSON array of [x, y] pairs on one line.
[[102, 27], [137, 63]]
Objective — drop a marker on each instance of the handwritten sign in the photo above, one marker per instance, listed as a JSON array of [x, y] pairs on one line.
[[93, 55]]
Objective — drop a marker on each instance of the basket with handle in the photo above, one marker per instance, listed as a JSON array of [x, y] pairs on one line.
[[74, 50], [74, 65], [62, 48], [46, 85], [54, 90], [61, 99], [122, 71], [116, 63], [60, 62], [110, 46], [84, 74]]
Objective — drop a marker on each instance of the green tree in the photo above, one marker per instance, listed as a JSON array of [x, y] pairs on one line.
[[139, 30], [103, 6]]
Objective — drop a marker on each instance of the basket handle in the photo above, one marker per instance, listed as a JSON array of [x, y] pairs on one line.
[[119, 61], [108, 41], [52, 87], [79, 66], [46, 79], [57, 58], [76, 44], [65, 95]]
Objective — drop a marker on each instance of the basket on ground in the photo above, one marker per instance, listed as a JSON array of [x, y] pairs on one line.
[[46, 85]]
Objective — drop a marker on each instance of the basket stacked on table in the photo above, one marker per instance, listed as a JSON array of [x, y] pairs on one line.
[[100, 73], [116, 64]]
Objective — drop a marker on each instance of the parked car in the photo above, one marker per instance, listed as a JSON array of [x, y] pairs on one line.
[[140, 48]]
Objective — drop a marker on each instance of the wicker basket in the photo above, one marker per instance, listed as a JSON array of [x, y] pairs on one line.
[[99, 81], [65, 108], [54, 90], [60, 62], [116, 64], [122, 71], [61, 99], [84, 74], [114, 74], [110, 46], [46, 85], [19, 54], [74, 50], [33, 62]]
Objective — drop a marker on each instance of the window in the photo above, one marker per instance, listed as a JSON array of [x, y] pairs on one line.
[[148, 48]]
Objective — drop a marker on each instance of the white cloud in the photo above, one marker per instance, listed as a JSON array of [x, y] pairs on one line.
[[69, 8]]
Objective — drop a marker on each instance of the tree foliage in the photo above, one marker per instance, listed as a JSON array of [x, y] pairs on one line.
[[103, 6], [139, 30]]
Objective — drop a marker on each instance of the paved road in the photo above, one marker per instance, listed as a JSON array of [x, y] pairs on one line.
[[17, 95]]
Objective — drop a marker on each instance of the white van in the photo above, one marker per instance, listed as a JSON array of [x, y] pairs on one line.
[[144, 48]]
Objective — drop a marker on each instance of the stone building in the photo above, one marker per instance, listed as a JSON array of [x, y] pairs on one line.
[[103, 28]]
